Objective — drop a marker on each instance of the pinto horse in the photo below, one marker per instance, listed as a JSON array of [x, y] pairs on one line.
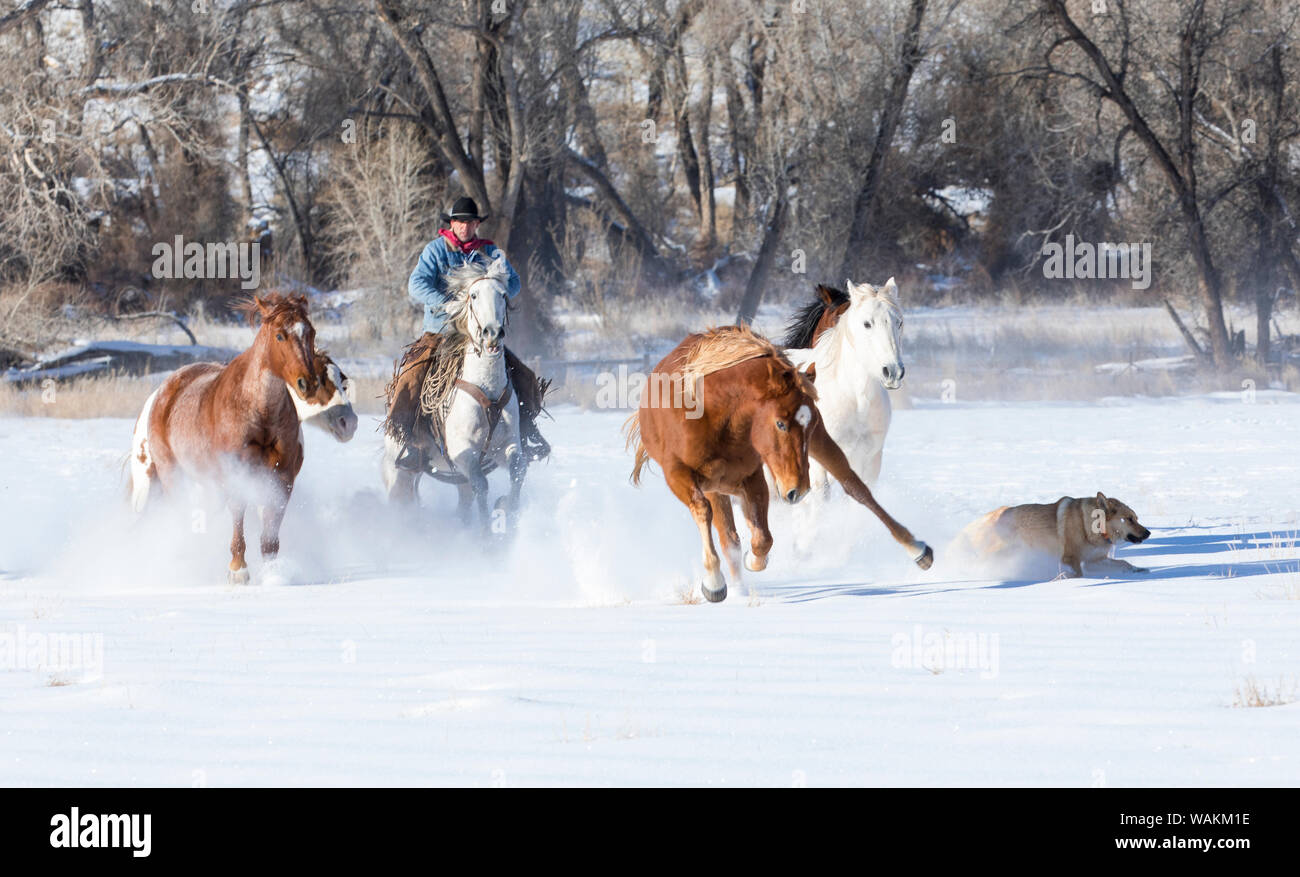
[[729, 402], [851, 343], [221, 424]]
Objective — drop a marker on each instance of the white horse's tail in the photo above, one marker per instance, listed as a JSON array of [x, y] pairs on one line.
[[142, 468]]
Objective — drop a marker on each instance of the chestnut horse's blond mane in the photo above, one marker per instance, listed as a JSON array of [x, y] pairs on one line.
[[722, 347]]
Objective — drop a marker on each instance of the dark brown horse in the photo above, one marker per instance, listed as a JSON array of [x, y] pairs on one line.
[[222, 424], [725, 403]]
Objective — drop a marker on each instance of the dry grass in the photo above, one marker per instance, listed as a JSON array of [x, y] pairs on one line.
[[123, 396], [689, 595], [79, 398], [1250, 692]]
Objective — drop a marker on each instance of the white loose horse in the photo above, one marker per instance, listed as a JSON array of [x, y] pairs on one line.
[[481, 422], [852, 343]]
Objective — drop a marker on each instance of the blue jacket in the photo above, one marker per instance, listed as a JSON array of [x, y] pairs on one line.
[[428, 284]]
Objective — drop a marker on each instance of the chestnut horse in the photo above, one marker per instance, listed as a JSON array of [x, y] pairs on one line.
[[220, 424], [728, 402]]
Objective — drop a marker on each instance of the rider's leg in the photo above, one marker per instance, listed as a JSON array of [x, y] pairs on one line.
[[404, 398], [530, 394]]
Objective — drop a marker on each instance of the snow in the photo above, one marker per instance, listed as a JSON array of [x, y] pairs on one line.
[[383, 652]]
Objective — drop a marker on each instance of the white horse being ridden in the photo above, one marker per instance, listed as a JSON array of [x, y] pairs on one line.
[[481, 423], [853, 342]]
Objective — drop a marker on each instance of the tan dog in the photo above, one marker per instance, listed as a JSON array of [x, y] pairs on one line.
[[1079, 531]]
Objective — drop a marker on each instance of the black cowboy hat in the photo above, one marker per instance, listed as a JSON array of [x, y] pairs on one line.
[[464, 208]]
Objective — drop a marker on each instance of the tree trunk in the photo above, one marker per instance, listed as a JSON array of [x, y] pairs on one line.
[[1209, 283], [908, 58], [706, 243], [766, 259], [439, 118]]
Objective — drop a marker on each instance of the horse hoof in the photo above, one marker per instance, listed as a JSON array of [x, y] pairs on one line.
[[713, 596], [754, 563], [926, 558], [238, 576]]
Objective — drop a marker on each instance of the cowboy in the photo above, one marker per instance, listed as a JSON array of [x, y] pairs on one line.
[[454, 246]]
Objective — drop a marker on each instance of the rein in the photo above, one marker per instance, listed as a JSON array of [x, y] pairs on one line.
[[471, 316]]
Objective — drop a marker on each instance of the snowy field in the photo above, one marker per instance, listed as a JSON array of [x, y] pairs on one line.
[[384, 651]]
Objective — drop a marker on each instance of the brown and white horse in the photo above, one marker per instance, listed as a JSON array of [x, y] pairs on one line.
[[728, 402], [852, 343], [223, 425]]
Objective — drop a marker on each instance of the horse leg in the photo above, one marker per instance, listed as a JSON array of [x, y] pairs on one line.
[[513, 460], [821, 485], [753, 502], [823, 448], [238, 574], [724, 521], [518, 465], [465, 502], [400, 483], [467, 464], [871, 473], [271, 516], [682, 483]]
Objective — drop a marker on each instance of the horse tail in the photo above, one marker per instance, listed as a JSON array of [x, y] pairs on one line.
[[632, 432]]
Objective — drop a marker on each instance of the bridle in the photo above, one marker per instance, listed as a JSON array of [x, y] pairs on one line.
[[476, 329]]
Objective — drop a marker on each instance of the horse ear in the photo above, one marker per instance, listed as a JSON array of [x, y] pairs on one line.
[[1102, 501], [890, 289], [826, 295], [800, 357]]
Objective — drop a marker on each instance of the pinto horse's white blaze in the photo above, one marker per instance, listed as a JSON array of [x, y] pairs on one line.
[[803, 416], [335, 414], [141, 462]]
